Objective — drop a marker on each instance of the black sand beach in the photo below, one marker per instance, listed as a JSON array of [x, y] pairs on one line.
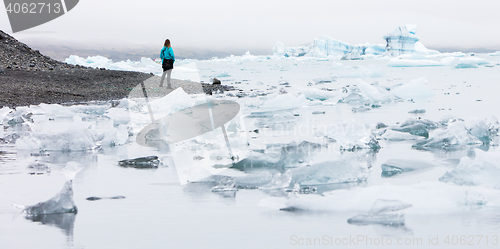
[[28, 78]]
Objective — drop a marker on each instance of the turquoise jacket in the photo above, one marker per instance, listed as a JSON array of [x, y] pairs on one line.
[[167, 53]]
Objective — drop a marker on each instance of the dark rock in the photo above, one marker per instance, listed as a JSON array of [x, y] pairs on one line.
[[216, 81]]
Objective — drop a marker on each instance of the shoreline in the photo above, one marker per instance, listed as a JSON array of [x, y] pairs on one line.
[[23, 88]]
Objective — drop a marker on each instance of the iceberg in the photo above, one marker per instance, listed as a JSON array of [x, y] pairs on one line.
[[397, 166], [325, 46], [61, 203], [402, 40]]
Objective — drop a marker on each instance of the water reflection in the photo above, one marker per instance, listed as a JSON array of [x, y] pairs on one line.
[[66, 221]]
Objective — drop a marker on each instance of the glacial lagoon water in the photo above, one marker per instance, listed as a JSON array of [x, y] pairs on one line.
[[287, 192]]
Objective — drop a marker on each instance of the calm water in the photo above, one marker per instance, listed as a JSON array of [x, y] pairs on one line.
[[158, 212]]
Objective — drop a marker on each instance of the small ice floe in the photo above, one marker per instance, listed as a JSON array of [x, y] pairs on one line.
[[417, 111], [61, 203], [374, 92], [397, 166], [141, 162], [344, 171], [361, 109], [383, 212]]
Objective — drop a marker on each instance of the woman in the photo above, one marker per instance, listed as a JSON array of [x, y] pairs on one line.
[[168, 58]]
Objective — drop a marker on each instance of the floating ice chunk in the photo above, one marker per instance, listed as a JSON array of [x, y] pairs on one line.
[[398, 62], [118, 115], [479, 129], [141, 162], [380, 219], [279, 181], [297, 155], [283, 102], [3, 112], [375, 93], [429, 124], [398, 166], [417, 111], [469, 62], [383, 213], [115, 136], [454, 136], [314, 93], [174, 101], [68, 136], [414, 89], [484, 169], [393, 135], [354, 136], [254, 180], [61, 203], [345, 171], [417, 129], [257, 161]]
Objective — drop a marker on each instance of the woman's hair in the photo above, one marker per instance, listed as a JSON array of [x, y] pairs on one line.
[[167, 43]]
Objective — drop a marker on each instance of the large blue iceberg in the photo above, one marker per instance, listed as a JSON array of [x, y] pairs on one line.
[[403, 40]]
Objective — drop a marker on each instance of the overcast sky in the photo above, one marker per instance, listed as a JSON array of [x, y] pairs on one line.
[[258, 24]]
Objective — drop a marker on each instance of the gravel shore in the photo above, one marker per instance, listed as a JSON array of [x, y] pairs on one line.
[[29, 78]]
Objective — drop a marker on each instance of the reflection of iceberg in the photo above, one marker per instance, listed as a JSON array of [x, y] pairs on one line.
[[383, 213], [65, 221], [61, 203]]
